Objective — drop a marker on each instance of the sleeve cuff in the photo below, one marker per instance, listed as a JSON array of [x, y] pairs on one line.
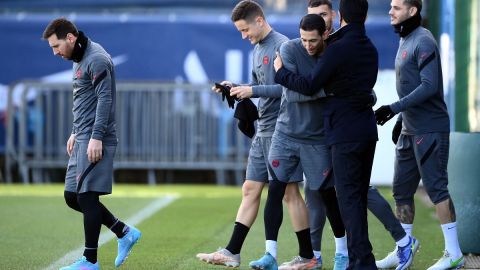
[[280, 75], [97, 136], [256, 91], [395, 107]]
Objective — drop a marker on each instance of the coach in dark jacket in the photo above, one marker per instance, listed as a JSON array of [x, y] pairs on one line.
[[347, 71]]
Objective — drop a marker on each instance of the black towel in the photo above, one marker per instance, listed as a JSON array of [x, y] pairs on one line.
[[246, 113]]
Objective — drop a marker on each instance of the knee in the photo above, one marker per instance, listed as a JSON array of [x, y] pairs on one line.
[[88, 199], [276, 189], [439, 196], [252, 191], [403, 200], [292, 194], [71, 200]]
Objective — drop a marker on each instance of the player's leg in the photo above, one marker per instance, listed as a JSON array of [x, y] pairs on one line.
[[119, 228], [100, 180], [300, 223], [256, 177], [405, 182], [382, 210], [341, 258], [407, 245], [317, 164], [432, 159], [280, 166], [317, 218], [284, 166], [92, 222], [71, 199]]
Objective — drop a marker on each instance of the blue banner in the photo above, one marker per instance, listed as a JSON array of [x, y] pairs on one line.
[[193, 49]]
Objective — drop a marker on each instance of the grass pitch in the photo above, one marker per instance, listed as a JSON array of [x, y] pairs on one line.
[[37, 228]]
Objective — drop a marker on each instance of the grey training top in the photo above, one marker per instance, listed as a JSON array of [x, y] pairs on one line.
[[94, 96], [419, 85], [263, 85], [300, 121]]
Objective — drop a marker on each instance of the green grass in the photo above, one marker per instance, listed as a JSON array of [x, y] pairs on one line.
[[37, 228]]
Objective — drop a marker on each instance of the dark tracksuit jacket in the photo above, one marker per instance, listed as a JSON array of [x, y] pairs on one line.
[[347, 68]]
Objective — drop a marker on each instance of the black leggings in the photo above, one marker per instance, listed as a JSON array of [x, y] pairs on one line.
[[329, 196], [72, 200], [94, 214], [273, 213]]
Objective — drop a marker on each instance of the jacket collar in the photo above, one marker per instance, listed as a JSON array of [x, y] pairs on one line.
[[80, 47], [347, 30]]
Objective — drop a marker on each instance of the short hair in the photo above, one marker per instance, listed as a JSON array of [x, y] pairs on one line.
[[353, 11], [311, 22], [414, 3], [247, 10], [61, 27], [317, 3]]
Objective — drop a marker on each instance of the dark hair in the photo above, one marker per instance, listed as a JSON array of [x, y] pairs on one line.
[[247, 10], [414, 3], [312, 22], [61, 27], [317, 3], [353, 11]]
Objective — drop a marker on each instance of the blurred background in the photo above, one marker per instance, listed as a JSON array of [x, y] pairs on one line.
[[171, 127]]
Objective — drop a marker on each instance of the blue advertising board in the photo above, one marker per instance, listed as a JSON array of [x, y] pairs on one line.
[[192, 49]]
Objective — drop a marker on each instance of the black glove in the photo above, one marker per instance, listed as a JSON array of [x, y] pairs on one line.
[[383, 114], [361, 101], [397, 129], [226, 94]]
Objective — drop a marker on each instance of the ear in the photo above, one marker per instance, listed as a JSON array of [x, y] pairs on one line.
[[334, 14], [325, 35], [259, 20], [413, 11], [70, 38]]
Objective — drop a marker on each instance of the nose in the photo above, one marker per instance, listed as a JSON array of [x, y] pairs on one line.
[[56, 52], [390, 12], [244, 35]]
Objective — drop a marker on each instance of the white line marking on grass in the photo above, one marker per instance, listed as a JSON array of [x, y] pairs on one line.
[[106, 236]]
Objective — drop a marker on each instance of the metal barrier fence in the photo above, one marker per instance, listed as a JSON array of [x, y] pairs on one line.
[[159, 126]]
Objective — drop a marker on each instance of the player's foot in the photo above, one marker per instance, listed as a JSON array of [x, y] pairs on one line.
[[319, 263], [299, 263], [125, 245], [340, 262], [447, 262], [267, 262], [82, 264], [405, 254], [390, 261], [221, 257]]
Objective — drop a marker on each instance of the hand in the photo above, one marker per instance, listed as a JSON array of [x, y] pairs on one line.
[[94, 150], [241, 92], [383, 114], [397, 129], [70, 143], [218, 90], [361, 101], [277, 63]]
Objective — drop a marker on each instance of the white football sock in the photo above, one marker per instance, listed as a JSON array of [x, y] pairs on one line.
[[407, 228], [341, 245], [451, 239], [271, 247]]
